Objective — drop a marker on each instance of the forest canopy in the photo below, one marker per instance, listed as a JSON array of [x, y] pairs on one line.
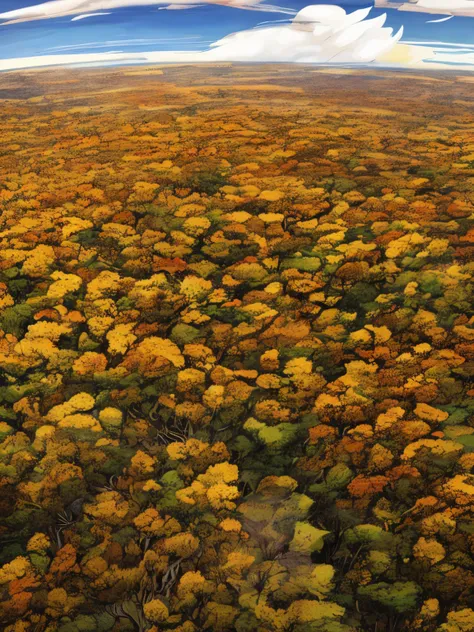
[[236, 353]]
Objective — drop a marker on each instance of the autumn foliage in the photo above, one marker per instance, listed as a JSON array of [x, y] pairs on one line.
[[236, 354]]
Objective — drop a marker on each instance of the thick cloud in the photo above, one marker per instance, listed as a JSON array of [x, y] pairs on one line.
[[318, 34]]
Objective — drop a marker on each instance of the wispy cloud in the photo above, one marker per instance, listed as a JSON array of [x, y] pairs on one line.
[[179, 7], [438, 43], [446, 54], [449, 17], [106, 44], [62, 8], [88, 15], [439, 7]]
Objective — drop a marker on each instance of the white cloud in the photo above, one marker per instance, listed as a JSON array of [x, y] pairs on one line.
[[76, 59], [179, 7], [87, 15], [61, 8], [438, 7], [319, 34], [438, 43], [191, 40], [449, 17]]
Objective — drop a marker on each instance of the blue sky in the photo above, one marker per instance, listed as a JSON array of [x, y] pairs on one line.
[[146, 28]]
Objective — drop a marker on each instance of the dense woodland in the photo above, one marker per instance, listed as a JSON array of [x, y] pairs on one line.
[[236, 351]]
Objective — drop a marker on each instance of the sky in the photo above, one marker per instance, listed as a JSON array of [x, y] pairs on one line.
[[419, 34]]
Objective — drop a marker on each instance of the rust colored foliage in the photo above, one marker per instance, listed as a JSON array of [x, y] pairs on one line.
[[236, 352]]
